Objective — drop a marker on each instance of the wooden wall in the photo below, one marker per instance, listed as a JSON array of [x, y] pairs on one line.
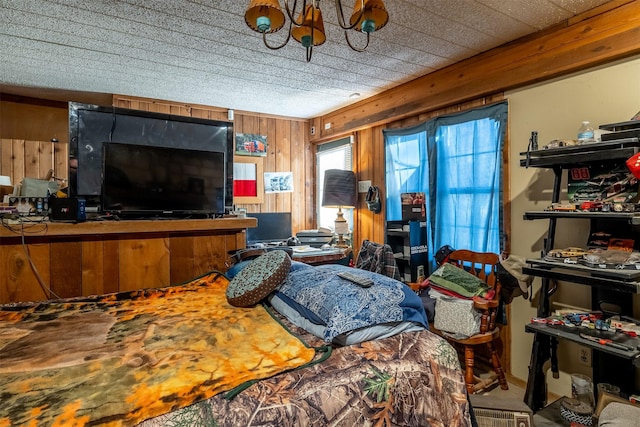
[[33, 159], [95, 257], [27, 148]]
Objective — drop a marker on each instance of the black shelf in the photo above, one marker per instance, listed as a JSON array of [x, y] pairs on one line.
[[632, 217], [611, 279], [398, 233], [567, 157], [573, 334], [607, 285], [615, 127]]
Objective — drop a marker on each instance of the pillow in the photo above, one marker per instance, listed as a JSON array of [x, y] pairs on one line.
[[235, 268], [340, 307], [368, 333], [258, 279]]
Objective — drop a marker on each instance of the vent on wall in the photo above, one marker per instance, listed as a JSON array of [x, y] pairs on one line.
[[500, 412], [501, 418]]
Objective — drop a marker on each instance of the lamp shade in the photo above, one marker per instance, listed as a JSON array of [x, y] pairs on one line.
[[5, 180], [372, 18], [264, 16], [340, 189], [311, 24]]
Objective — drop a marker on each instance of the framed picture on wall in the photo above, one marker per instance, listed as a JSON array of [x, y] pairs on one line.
[[249, 144], [278, 182], [248, 186]]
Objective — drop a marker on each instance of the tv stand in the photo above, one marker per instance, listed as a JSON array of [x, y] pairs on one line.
[[95, 257]]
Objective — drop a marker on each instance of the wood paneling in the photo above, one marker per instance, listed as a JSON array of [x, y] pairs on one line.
[[18, 280], [33, 119], [66, 267], [93, 268], [94, 258], [21, 158], [151, 265]]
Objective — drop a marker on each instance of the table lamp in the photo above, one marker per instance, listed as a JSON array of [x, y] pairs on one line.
[[340, 191]]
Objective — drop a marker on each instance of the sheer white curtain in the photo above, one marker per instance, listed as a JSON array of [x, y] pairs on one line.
[[332, 155]]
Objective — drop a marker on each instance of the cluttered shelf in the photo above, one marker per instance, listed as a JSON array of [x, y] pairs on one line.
[[610, 341], [602, 173], [571, 155], [618, 279], [632, 218]]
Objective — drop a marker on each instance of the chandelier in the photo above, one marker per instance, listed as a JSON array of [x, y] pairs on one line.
[[266, 16]]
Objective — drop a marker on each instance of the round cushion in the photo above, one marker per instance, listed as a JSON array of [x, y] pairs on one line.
[[258, 279]]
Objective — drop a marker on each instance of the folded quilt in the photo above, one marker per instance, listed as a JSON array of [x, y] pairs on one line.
[[457, 280]]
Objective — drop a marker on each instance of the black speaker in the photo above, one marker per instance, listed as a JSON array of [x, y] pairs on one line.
[[69, 209]]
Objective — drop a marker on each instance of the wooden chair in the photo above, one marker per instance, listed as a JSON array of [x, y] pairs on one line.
[[483, 265]]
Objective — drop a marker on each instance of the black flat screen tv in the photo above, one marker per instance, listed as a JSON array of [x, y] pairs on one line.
[[144, 180], [91, 126]]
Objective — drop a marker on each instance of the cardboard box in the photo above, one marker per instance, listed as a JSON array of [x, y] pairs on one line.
[[413, 206]]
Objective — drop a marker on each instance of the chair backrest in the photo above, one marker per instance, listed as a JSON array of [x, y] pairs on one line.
[[483, 265], [377, 257]]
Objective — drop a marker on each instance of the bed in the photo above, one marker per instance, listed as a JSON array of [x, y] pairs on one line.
[[184, 356]]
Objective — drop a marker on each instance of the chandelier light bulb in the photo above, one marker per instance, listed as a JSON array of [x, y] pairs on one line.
[[368, 26], [264, 24]]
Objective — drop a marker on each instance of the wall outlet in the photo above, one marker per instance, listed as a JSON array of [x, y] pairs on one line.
[[584, 355], [363, 186]]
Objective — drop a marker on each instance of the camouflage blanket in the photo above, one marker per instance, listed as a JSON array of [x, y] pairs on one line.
[[120, 359], [411, 379]]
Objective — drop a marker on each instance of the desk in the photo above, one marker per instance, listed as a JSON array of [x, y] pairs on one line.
[[320, 257], [110, 256]]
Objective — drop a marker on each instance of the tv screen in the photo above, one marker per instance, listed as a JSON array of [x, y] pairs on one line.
[[272, 227], [90, 126], [148, 180]]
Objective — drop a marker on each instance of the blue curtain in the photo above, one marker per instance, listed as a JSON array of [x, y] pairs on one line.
[[457, 161], [406, 166]]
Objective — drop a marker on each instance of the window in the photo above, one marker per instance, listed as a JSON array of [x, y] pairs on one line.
[[332, 155], [457, 161]]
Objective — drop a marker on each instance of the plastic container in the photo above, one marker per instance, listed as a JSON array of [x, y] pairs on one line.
[[582, 389], [608, 388], [586, 133]]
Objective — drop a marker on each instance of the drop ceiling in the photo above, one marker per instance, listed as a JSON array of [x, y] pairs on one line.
[[202, 52]]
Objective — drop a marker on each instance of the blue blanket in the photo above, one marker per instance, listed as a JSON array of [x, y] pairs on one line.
[[324, 298]]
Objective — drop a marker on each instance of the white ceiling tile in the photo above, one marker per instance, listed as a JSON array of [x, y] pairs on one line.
[[201, 51]]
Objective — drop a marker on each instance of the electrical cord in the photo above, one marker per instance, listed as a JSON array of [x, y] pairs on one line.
[[22, 231]]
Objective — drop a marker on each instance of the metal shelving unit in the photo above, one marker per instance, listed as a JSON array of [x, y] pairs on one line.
[[601, 281]]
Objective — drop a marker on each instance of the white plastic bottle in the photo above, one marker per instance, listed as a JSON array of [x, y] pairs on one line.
[[585, 133]]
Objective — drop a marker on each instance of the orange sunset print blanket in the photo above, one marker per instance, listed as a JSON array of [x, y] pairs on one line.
[[119, 359]]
